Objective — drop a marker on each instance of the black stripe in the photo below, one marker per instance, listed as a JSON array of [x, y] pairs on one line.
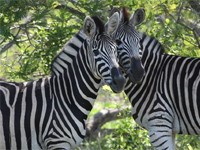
[[80, 38], [18, 110], [39, 110], [27, 123], [48, 103]]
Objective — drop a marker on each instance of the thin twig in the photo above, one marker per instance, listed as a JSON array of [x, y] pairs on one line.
[[179, 12], [29, 39], [179, 22], [193, 10], [12, 42], [72, 10], [22, 56]]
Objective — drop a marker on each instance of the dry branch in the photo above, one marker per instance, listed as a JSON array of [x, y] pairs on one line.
[[94, 124]]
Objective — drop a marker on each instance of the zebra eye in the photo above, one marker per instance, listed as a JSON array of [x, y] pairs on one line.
[[96, 52], [118, 42]]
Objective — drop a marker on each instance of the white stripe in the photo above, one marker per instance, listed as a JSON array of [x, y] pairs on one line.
[[45, 133], [57, 66], [22, 120], [32, 119], [44, 108], [64, 57], [2, 140], [12, 126]]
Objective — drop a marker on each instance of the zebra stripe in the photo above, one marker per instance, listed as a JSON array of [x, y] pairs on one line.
[[50, 113], [166, 101]]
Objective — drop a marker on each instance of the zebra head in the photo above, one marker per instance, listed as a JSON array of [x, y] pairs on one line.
[[102, 51], [128, 43]]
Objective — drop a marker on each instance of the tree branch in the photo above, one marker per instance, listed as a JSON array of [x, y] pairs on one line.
[[7, 46], [194, 29], [196, 36], [94, 124], [72, 10]]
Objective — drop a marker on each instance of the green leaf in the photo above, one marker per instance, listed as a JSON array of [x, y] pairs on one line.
[[167, 21], [173, 6]]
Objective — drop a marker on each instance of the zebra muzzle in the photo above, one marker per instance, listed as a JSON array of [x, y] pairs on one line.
[[118, 80], [136, 71]]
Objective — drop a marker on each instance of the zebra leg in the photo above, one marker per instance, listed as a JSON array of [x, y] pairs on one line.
[[162, 139]]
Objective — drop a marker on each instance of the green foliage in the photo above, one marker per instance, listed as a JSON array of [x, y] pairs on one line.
[[190, 142], [124, 138], [32, 32], [128, 136], [174, 31], [107, 99], [36, 30], [39, 36]]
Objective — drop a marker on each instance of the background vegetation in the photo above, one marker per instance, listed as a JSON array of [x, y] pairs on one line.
[[33, 31]]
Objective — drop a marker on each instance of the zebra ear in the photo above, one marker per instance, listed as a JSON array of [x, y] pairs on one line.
[[113, 10], [89, 27], [113, 23], [137, 17]]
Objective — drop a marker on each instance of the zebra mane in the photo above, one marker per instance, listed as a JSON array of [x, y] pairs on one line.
[[125, 14], [99, 23], [71, 48], [159, 50]]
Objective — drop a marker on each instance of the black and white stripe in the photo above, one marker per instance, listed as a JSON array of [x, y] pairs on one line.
[[128, 43], [50, 113], [167, 100]]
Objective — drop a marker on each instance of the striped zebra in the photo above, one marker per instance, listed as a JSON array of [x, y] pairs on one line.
[[127, 39], [166, 101], [50, 113]]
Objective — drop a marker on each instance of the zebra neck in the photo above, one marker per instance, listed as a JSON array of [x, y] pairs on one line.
[[68, 54], [73, 82], [151, 45], [152, 60]]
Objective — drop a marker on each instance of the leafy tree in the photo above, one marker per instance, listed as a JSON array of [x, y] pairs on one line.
[[32, 32]]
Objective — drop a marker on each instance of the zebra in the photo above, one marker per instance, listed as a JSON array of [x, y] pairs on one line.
[[166, 100], [51, 112], [129, 45]]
